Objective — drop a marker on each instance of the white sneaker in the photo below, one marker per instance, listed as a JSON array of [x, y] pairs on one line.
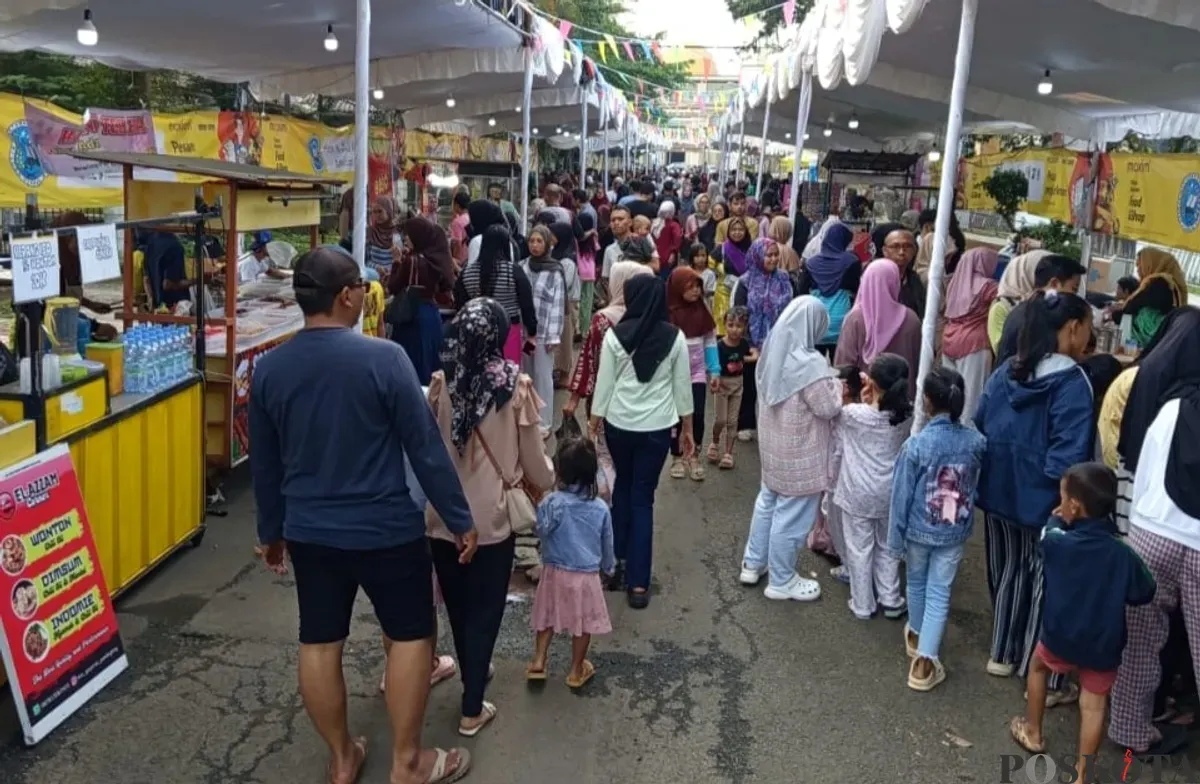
[[801, 589], [999, 669], [745, 435], [751, 576]]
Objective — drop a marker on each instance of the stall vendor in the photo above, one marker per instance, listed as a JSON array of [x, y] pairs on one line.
[[258, 262], [165, 269]]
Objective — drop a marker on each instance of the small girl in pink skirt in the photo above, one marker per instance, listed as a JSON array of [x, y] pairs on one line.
[[575, 529]]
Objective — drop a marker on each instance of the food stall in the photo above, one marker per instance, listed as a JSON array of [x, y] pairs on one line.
[[247, 321]]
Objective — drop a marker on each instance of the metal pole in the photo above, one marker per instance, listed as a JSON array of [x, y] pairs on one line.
[[362, 124], [1095, 150], [625, 151], [526, 135], [937, 267], [583, 137], [762, 153], [802, 113], [723, 156], [604, 122]]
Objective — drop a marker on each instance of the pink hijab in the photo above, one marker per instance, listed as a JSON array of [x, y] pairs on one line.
[[879, 301], [975, 271]]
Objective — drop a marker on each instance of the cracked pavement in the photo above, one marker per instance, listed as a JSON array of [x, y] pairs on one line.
[[713, 683]]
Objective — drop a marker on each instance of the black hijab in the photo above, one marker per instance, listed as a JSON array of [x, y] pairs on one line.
[[564, 241], [483, 213], [1169, 369], [644, 331]]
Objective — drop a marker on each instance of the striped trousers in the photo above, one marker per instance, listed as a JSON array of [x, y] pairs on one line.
[[1014, 573]]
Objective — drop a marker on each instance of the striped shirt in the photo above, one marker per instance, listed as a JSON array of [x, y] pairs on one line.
[[504, 287]]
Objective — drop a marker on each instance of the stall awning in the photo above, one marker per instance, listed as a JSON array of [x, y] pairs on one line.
[[873, 162], [203, 167]]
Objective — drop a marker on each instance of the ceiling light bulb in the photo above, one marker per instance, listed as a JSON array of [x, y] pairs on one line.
[[853, 124], [377, 93], [558, 130], [1045, 87], [787, 135], [491, 122], [535, 131], [331, 41], [806, 136], [935, 155], [87, 35], [828, 131], [450, 102]]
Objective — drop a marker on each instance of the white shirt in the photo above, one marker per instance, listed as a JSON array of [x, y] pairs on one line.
[[473, 248], [612, 254], [641, 408], [249, 268], [1153, 510]]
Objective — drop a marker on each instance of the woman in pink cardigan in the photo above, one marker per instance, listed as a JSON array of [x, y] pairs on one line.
[[799, 396]]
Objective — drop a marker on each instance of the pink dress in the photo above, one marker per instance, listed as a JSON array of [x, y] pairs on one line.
[[570, 603]]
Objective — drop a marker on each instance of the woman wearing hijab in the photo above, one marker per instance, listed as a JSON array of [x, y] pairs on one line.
[[495, 274], [482, 213], [1017, 284], [831, 273], [764, 290], [965, 346], [879, 323], [565, 251], [688, 311], [800, 396], [687, 199], [706, 233], [548, 280], [780, 230], [667, 235], [1160, 444], [699, 218], [643, 389], [425, 268], [381, 235], [1162, 287], [487, 411]]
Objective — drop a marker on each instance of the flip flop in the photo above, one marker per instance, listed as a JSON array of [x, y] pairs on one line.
[[1019, 729], [441, 673], [360, 757], [589, 672], [534, 676], [489, 713], [713, 454], [439, 775]]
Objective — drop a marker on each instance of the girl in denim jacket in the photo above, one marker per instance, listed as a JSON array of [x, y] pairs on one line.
[[932, 513]]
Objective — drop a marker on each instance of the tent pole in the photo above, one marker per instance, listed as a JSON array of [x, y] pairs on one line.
[[741, 142], [362, 124], [762, 153], [604, 122], [945, 205], [801, 124], [625, 150], [526, 135], [583, 137], [1095, 150]]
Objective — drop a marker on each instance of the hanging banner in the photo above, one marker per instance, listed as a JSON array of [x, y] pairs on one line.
[[1049, 172], [1151, 198], [58, 632], [193, 134], [54, 139], [112, 130]]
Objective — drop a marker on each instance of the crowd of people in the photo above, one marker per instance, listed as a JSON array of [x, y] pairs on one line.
[[408, 466]]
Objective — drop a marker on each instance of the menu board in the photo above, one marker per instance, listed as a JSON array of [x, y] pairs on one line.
[[58, 631]]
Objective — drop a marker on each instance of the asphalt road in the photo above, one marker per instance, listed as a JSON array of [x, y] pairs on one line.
[[713, 683]]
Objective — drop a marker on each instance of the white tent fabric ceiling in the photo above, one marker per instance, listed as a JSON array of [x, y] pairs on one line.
[[550, 106]]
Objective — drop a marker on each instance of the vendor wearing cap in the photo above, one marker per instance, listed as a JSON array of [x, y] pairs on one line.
[[258, 261]]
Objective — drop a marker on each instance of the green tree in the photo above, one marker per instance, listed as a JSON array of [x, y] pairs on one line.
[[770, 18]]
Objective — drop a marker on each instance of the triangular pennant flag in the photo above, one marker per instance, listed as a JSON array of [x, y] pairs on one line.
[[603, 54], [657, 49], [678, 97], [646, 50], [564, 28], [567, 56], [641, 87], [628, 49], [789, 12], [612, 45]]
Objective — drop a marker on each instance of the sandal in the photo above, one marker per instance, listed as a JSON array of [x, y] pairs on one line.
[[697, 472], [445, 669], [535, 676], [489, 713], [714, 453], [360, 757], [439, 774], [1019, 729], [727, 462], [589, 672], [678, 469]]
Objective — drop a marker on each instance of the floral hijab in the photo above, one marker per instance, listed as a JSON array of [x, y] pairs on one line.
[[478, 376], [382, 227], [768, 293]]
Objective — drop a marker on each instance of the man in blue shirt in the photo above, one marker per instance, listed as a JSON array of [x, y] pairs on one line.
[[333, 414]]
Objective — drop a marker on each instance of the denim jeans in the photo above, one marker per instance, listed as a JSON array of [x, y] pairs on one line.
[[931, 572], [777, 533], [638, 460]]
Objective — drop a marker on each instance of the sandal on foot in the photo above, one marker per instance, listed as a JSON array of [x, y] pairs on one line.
[[535, 676], [489, 713], [445, 669], [1019, 729], [726, 462], [360, 757], [678, 469], [714, 453], [439, 774], [589, 672], [697, 472]]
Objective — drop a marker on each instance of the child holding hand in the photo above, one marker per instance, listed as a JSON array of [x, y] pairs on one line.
[[734, 352], [575, 529], [1091, 575]]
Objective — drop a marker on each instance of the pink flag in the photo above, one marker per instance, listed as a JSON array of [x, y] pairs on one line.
[[789, 12], [564, 28], [629, 50]]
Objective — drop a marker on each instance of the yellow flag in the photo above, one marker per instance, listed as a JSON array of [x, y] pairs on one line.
[[612, 44], [603, 56]]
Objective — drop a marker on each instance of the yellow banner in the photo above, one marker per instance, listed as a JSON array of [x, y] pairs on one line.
[[1150, 198], [1049, 173]]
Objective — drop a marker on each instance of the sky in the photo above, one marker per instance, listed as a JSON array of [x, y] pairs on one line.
[[691, 22]]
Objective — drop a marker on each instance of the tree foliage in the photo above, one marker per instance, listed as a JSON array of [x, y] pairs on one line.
[[771, 21]]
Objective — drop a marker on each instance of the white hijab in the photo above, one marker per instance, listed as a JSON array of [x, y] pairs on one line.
[[790, 361], [814, 245]]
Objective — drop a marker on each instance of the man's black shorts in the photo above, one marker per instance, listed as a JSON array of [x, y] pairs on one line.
[[397, 580]]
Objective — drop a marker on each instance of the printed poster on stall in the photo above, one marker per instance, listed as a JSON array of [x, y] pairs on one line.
[[1050, 174], [60, 639], [1154, 198], [243, 374]]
